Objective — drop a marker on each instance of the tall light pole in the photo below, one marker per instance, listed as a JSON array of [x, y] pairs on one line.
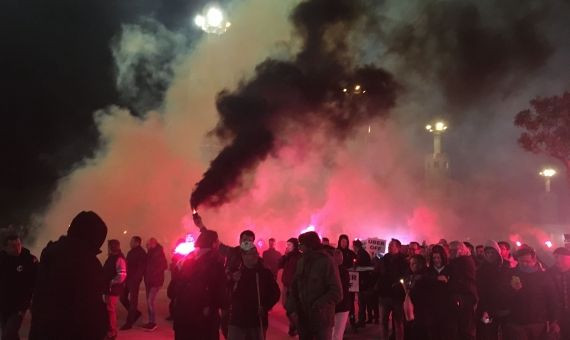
[[547, 173], [437, 129]]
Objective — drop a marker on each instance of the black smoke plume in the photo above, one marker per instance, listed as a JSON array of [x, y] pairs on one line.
[[318, 89]]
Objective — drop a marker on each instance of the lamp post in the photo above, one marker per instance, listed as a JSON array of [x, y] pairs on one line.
[[547, 173], [437, 129]]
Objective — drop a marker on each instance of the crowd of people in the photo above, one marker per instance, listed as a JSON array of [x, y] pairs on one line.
[[447, 291]]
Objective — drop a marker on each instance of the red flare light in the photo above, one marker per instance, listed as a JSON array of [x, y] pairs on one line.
[[548, 244], [519, 243], [186, 247]]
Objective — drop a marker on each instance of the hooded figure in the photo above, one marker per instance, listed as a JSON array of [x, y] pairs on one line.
[[492, 282], [68, 301]]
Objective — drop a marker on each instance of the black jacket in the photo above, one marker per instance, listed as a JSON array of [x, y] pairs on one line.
[[493, 281], [289, 264], [136, 266], [393, 268], [200, 283], [561, 281], [421, 289], [462, 272], [68, 300], [536, 301], [110, 271], [244, 305], [17, 280], [156, 265]]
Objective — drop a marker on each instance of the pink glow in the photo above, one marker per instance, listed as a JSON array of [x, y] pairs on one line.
[[186, 247], [548, 244]]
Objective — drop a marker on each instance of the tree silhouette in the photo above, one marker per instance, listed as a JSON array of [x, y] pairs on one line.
[[547, 128]]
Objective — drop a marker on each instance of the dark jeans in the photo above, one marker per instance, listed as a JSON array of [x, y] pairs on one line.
[[464, 317], [373, 306], [351, 314], [394, 307], [130, 299], [315, 334], [11, 323]]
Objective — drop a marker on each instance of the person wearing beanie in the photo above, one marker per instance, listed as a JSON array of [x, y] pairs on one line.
[[288, 263], [492, 309], [560, 275], [199, 291], [68, 300], [315, 291]]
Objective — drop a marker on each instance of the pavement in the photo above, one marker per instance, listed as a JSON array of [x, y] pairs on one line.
[[278, 325]]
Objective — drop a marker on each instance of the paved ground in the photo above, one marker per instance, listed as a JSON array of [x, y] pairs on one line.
[[278, 325]]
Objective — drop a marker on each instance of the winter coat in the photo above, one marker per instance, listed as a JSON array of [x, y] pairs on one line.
[[68, 300], [363, 260], [244, 305], [348, 258], [462, 283], [492, 281], [315, 291], [115, 270], [535, 302], [17, 280], [421, 288], [271, 260], [156, 264], [561, 281], [289, 264], [344, 304], [393, 268], [200, 284], [136, 267]]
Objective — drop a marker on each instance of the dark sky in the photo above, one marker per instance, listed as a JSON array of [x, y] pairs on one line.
[[56, 70]]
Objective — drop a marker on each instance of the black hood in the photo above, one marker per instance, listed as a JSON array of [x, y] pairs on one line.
[[88, 228]]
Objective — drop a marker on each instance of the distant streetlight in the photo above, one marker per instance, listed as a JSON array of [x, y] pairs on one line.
[[437, 129], [547, 173], [212, 20]]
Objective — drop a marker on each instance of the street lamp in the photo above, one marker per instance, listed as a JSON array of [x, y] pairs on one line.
[[547, 173], [437, 128], [212, 20]]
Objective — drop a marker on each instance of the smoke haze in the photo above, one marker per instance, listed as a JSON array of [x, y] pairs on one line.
[[361, 173]]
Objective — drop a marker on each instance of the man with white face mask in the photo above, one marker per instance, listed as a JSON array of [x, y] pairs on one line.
[[233, 263]]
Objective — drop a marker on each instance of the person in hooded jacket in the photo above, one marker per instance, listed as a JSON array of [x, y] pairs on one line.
[[492, 282], [156, 265], [288, 263], [136, 266], [68, 299], [365, 286], [115, 269], [256, 293], [199, 291], [18, 269], [349, 262], [315, 291]]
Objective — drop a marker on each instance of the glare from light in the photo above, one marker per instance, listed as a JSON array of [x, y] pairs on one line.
[[547, 172], [124, 232], [438, 127], [548, 244], [214, 17], [357, 88], [199, 21], [519, 243], [344, 90]]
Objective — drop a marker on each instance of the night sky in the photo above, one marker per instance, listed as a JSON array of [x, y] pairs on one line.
[[57, 69]]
